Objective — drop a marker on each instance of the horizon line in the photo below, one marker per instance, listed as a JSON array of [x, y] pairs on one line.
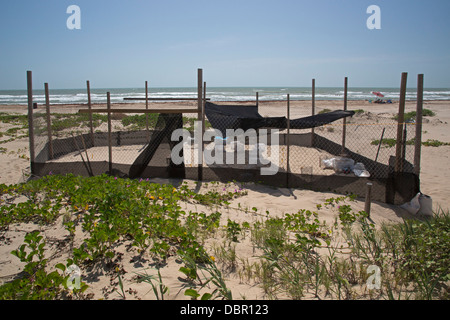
[[212, 87]]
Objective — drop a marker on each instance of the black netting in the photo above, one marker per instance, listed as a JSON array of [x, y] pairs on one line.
[[224, 117]]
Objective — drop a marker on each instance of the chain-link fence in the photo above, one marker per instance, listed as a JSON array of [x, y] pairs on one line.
[[126, 145], [341, 156]]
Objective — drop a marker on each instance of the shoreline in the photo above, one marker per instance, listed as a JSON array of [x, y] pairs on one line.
[[262, 103], [161, 101]]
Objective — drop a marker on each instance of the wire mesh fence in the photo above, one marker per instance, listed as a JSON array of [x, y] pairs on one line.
[[340, 156]]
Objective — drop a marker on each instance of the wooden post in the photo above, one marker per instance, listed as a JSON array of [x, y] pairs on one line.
[[199, 118], [199, 92], [419, 112], [146, 108], [88, 85], [108, 105], [400, 121], [257, 99], [203, 108], [344, 124], [313, 111], [403, 148], [288, 142], [49, 122], [30, 119], [368, 198]]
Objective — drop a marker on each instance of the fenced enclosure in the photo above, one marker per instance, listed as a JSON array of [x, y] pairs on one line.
[[138, 143]]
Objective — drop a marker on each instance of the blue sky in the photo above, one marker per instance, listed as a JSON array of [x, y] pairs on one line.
[[236, 43]]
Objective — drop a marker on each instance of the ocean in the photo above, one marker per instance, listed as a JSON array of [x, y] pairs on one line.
[[79, 96]]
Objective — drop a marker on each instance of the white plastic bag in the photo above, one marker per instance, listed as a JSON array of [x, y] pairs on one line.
[[360, 171], [341, 164], [426, 205], [413, 206], [420, 204], [327, 163]]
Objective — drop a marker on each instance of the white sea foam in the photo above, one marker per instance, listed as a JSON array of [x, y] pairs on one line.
[[215, 94]]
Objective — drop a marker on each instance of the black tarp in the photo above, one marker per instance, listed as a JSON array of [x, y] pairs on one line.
[[245, 117]]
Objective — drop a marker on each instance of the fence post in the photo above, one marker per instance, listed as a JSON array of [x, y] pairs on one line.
[[199, 118], [108, 105], [313, 111], [419, 112], [344, 124], [30, 119], [146, 108], [203, 108], [257, 99], [400, 121], [88, 85], [49, 122], [368, 198], [288, 142]]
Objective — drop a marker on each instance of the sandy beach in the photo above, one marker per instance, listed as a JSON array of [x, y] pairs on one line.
[[435, 176]]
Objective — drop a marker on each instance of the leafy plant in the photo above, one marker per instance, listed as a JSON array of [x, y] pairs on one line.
[[233, 229], [294, 254], [390, 142], [412, 115], [434, 143], [37, 284]]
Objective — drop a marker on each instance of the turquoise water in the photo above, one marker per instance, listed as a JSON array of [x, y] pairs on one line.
[[63, 96]]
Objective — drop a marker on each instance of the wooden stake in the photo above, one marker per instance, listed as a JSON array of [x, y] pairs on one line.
[[288, 125], [108, 105], [199, 118], [419, 112], [203, 108], [199, 93], [400, 121], [91, 126], [30, 119], [257, 99], [49, 122], [146, 108], [313, 111], [344, 124], [403, 148], [368, 198]]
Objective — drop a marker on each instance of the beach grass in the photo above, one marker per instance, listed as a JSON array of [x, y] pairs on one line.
[[411, 116], [296, 255]]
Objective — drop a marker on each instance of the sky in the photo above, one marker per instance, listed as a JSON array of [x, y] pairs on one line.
[[122, 44]]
